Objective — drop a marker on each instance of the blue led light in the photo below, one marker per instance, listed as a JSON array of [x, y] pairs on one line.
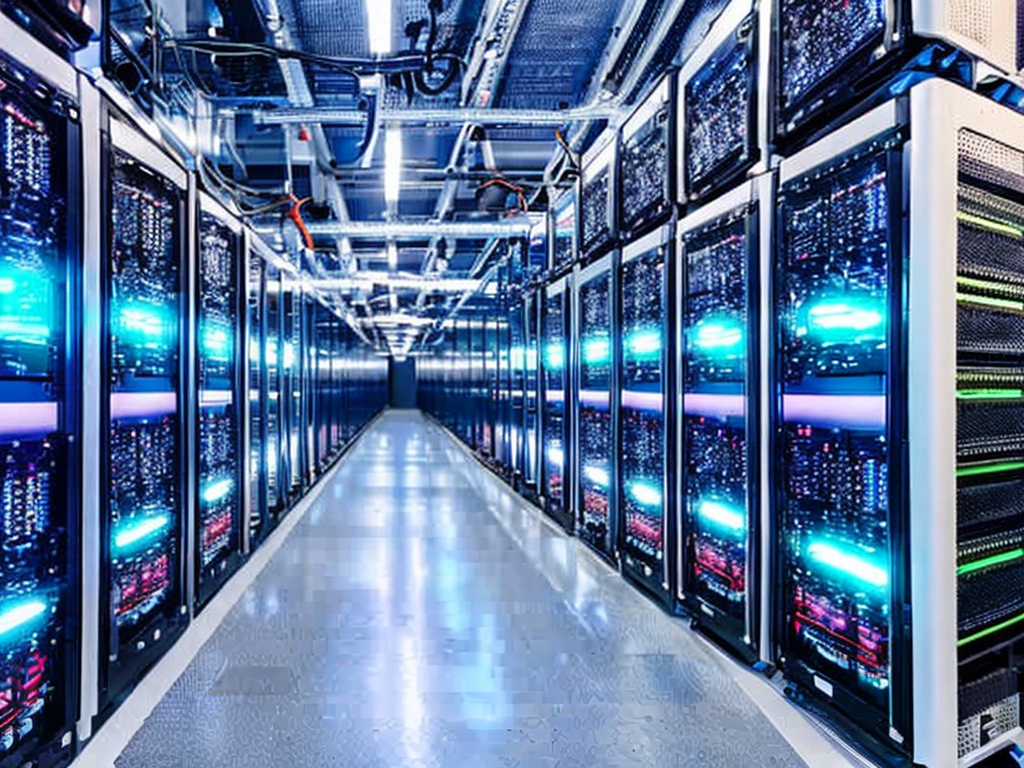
[[722, 334], [135, 532], [645, 494], [597, 351], [848, 563], [217, 491], [722, 515], [597, 476], [20, 615], [554, 356], [644, 343]]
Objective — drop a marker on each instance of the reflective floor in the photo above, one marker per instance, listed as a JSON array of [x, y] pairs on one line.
[[421, 615]]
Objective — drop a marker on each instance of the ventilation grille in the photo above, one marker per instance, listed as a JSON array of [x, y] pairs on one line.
[[989, 161], [980, 504], [997, 720], [972, 19]]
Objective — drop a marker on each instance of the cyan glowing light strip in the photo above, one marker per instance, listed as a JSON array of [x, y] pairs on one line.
[[597, 351], [22, 329], [988, 562], [217, 491], [647, 343], [7, 285], [596, 475], [554, 356], [645, 494], [989, 224], [142, 321], [140, 530], [841, 315], [555, 455], [848, 563], [215, 340], [723, 515], [19, 615], [718, 335]]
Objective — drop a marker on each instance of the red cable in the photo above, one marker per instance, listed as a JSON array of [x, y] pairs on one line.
[[295, 214]]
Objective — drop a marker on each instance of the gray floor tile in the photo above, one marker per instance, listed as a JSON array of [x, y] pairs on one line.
[[418, 616]]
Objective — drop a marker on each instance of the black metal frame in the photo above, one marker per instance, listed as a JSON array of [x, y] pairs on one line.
[[116, 683], [870, 727], [45, 747]]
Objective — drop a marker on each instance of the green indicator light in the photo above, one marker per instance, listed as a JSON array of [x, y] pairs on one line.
[[992, 226], [990, 631], [977, 565], [141, 530], [20, 615], [990, 394], [988, 285], [988, 469], [988, 301]]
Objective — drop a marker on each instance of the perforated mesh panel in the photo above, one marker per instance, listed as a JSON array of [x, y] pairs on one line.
[[991, 331], [1005, 717], [984, 423], [989, 503], [972, 19], [989, 161]]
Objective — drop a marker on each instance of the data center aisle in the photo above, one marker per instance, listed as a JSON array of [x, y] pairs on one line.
[[421, 616]]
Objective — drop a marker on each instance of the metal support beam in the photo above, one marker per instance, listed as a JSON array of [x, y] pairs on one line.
[[518, 226], [426, 116]]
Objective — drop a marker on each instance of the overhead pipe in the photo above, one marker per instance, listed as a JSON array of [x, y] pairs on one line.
[[484, 116], [518, 226]]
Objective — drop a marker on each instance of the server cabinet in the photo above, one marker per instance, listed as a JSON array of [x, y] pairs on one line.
[[647, 158], [555, 400], [595, 431], [723, 102], [292, 365], [531, 394], [256, 331], [517, 382], [597, 195], [841, 514], [145, 400], [40, 375], [564, 229], [218, 459], [966, 171], [830, 55], [724, 251], [272, 356], [642, 478]]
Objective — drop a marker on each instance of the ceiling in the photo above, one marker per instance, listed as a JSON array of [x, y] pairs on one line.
[[316, 126]]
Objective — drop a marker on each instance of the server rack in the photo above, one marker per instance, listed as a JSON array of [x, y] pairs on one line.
[[273, 357], [40, 423], [531, 394], [724, 252], [723, 103], [555, 394], [647, 157], [517, 335], [966, 171], [564, 235], [217, 463], [839, 422], [643, 508], [597, 195], [145, 520], [256, 330], [830, 56], [596, 407]]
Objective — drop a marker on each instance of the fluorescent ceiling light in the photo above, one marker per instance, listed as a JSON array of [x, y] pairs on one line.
[[392, 163], [378, 26]]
